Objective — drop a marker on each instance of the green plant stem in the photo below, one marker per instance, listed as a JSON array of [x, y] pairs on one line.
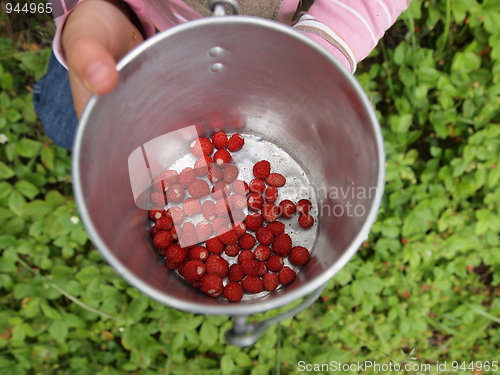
[[447, 24]]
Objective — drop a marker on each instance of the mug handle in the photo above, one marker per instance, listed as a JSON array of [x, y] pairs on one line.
[[218, 6], [243, 334]]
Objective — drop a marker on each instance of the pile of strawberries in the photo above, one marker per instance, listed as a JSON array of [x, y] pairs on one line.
[[256, 243]]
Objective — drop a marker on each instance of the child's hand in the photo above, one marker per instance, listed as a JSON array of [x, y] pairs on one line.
[[96, 35]]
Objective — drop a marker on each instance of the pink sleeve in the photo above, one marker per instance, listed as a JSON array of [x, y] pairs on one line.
[[137, 7], [350, 29]]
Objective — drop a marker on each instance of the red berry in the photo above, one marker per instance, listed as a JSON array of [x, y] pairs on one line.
[[270, 281], [274, 263], [286, 275], [247, 241], [215, 174], [228, 237], [201, 146], [193, 270], [252, 284], [276, 179], [188, 235], [262, 252], [299, 255], [286, 209], [262, 169], [269, 212], [240, 229], [282, 244], [198, 253], [240, 187], [222, 208], [233, 292], [208, 210], [255, 201], [186, 176], [202, 165], [232, 250], [169, 176], [177, 214], [244, 255], [176, 193], [218, 223], [254, 221], [173, 232], [235, 143], [218, 265], [211, 284], [156, 213], [159, 185], [214, 245], [158, 199], [277, 227], [306, 221], [257, 186], [219, 140], [264, 235], [203, 231], [222, 157], [154, 230], [164, 223], [262, 269], [176, 254], [236, 273], [220, 190], [230, 173], [250, 267], [171, 265], [162, 240], [304, 206], [271, 193], [191, 206], [198, 189], [237, 201]]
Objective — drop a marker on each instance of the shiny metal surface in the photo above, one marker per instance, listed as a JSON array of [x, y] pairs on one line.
[[274, 84]]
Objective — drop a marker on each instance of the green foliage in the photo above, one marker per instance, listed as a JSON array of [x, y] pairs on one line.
[[422, 288]]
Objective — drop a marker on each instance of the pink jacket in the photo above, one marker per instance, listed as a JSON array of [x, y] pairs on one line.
[[349, 29]]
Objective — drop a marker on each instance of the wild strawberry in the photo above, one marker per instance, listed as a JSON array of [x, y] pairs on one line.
[[193, 270], [262, 252], [153, 230], [235, 143], [230, 173], [219, 140], [237, 201], [304, 206], [211, 284], [275, 263], [208, 210], [286, 275], [176, 254], [159, 185], [180, 267], [276, 179], [233, 292], [214, 245], [277, 227], [271, 194], [286, 209], [240, 229], [175, 193], [158, 199], [177, 214], [282, 244], [254, 221], [252, 284], [269, 212], [222, 208], [198, 189], [215, 174], [220, 190], [220, 222], [264, 235], [257, 186], [191, 206], [240, 187], [169, 176], [255, 201], [188, 236], [270, 281], [218, 265], [262, 269], [250, 267], [156, 213], [228, 237], [221, 158], [202, 165], [247, 241], [201, 146], [306, 221], [186, 176], [164, 223], [171, 265], [162, 240], [173, 232], [232, 250], [203, 230], [262, 169], [235, 273], [299, 255], [237, 216], [244, 255], [198, 253]]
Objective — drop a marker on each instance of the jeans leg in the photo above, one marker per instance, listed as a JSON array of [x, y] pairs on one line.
[[54, 105]]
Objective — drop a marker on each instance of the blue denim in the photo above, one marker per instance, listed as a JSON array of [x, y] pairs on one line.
[[53, 104]]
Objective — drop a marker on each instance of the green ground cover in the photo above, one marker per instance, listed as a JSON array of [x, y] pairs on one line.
[[423, 288]]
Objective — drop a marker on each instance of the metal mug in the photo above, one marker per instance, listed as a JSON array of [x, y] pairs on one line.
[[260, 78]]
